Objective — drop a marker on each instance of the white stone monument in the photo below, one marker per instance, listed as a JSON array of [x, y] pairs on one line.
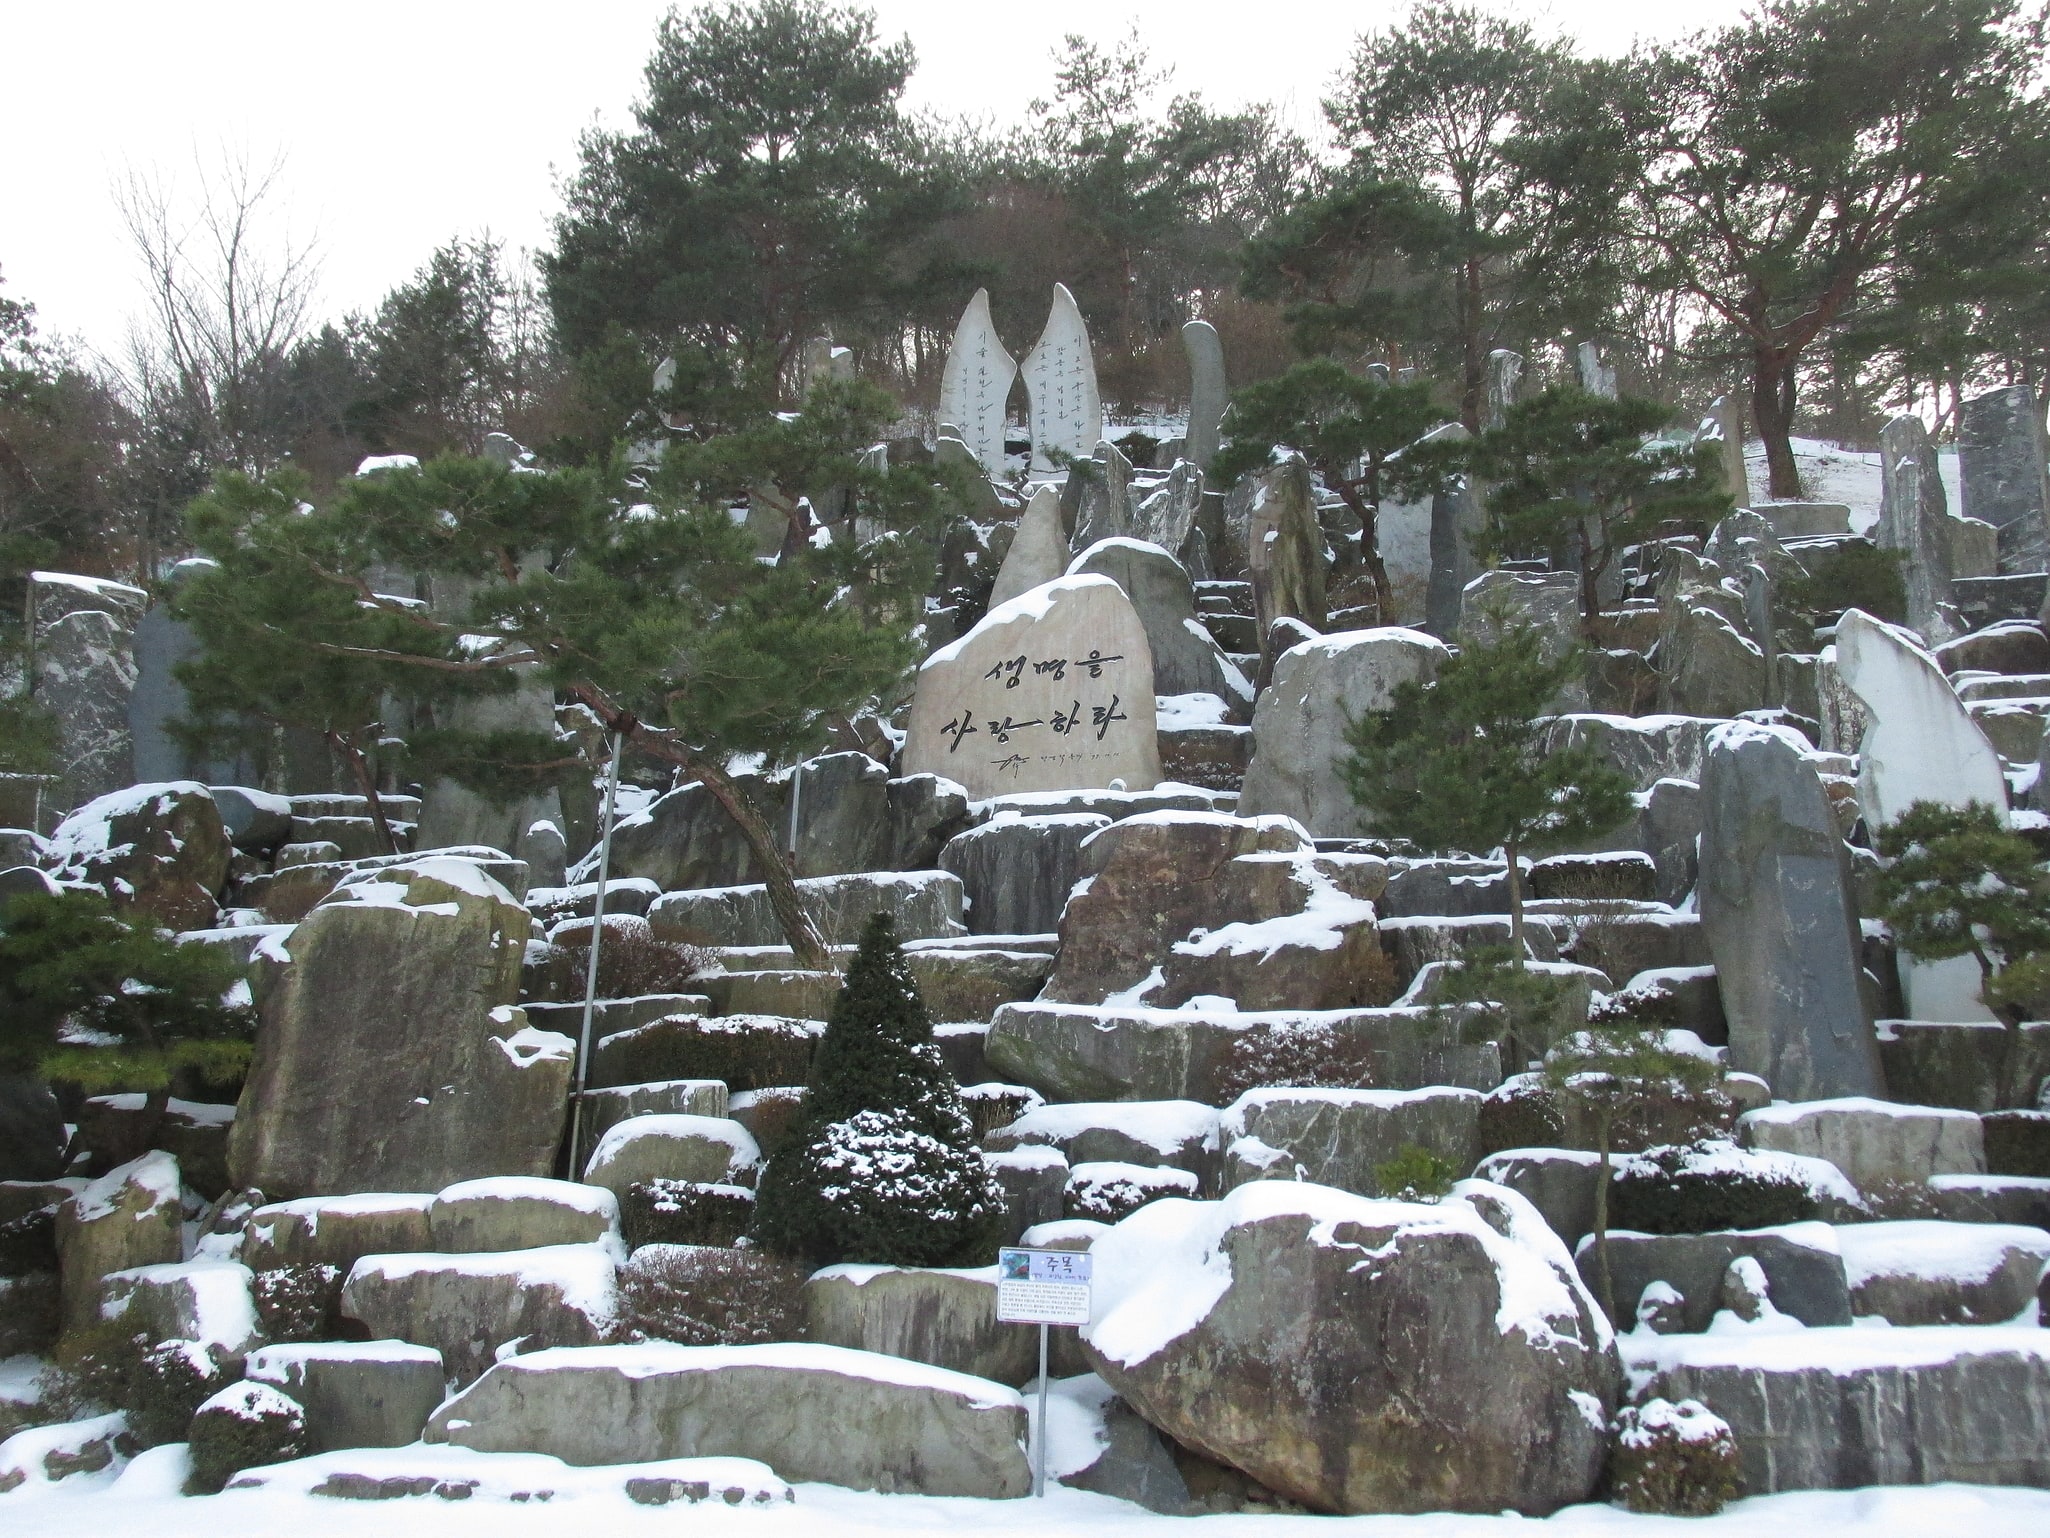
[[1060, 376], [1052, 691], [1207, 397], [977, 383]]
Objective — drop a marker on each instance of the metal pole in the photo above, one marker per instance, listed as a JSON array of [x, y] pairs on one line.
[[1039, 1467], [576, 1115]]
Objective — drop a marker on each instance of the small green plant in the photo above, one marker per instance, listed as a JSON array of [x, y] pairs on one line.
[[1675, 1460], [1415, 1174], [244, 1426], [108, 1366], [1495, 999]]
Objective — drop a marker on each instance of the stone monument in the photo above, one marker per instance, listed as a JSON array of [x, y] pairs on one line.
[[1060, 377], [1285, 548], [977, 383], [1505, 377], [1052, 691], [1597, 374], [2001, 468], [1914, 519], [1206, 392]]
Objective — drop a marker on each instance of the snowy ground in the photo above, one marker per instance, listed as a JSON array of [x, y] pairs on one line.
[[143, 1501], [1831, 474]]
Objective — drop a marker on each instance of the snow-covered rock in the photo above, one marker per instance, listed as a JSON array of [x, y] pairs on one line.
[[944, 1318], [375, 1393], [1923, 1272], [1337, 1137], [209, 1301], [711, 1149], [520, 1212], [1875, 1143], [129, 1217]]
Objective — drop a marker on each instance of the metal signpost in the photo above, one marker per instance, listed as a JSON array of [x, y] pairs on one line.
[[1042, 1287]]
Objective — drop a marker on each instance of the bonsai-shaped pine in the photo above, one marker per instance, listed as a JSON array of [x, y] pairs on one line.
[[1353, 431], [105, 1001], [882, 1167], [1459, 761], [1578, 474], [1960, 884], [1612, 1067]]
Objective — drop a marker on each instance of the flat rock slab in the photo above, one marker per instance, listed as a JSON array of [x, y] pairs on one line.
[[1337, 1137], [1923, 1272], [810, 1412], [375, 1393], [336, 1231], [944, 1318], [431, 1474], [1842, 1409], [1875, 1142], [1802, 1265]]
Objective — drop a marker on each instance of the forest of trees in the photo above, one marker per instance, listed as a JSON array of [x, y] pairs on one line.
[[1834, 209]]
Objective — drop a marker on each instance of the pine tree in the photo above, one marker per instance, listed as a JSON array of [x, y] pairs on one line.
[[1459, 762], [1959, 884], [883, 1166]]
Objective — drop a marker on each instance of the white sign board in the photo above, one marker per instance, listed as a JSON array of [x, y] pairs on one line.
[[1042, 1287]]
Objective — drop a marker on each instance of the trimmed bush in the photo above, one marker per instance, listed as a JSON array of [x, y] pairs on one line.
[[299, 1303], [244, 1426], [746, 1051], [1675, 1460], [684, 1212], [882, 1165], [1311, 1056], [1416, 1174], [157, 1386], [1108, 1191], [1700, 1188], [991, 1106], [774, 1117], [633, 963], [706, 1296]]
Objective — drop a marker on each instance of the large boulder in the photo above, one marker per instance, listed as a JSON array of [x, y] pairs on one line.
[[1804, 1271], [469, 1306], [1300, 721], [1781, 924], [520, 1212], [1186, 660], [692, 1148], [336, 1231], [212, 1302], [1016, 871], [1180, 1133], [1877, 1144], [390, 1057], [1339, 1137], [1359, 1355], [129, 1217], [375, 1393], [810, 1412], [159, 851], [945, 1318], [84, 673], [1925, 1272]]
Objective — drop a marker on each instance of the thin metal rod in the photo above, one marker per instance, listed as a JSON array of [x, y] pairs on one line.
[[1039, 1465], [576, 1115]]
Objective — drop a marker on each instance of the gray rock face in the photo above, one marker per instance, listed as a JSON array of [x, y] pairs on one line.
[[1962, 1064], [389, 1056], [129, 1217], [1181, 1134], [1185, 658], [157, 850], [2001, 466], [1105, 508], [1814, 1416], [1924, 1273], [336, 1231], [1039, 550], [606, 1108], [695, 1148], [1299, 723], [1206, 390], [1877, 1144], [1456, 519], [1776, 907], [1708, 665], [1559, 1182], [467, 1306], [1169, 516], [1802, 1266], [939, 1317], [1016, 872], [82, 658], [1354, 1361], [375, 1393], [810, 1412], [1285, 548], [519, 1213], [31, 1129], [925, 904], [1914, 520], [208, 1301], [1338, 1136]]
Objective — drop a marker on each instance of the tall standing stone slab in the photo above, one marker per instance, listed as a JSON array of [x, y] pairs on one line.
[[1597, 374], [82, 671], [1103, 509], [2002, 473], [389, 1056], [1913, 520], [1285, 548], [1167, 518], [977, 383], [1456, 520], [1777, 911], [1505, 377], [1920, 744], [1206, 392], [1726, 424], [1039, 550], [1060, 378], [1052, 691]]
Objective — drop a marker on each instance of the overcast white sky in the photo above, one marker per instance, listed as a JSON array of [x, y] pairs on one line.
[[404, 124]]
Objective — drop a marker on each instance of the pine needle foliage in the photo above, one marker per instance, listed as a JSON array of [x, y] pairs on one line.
[[1459, 763], [882, 1167]]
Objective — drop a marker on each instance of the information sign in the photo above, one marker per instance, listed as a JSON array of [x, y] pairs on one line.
[[1042, 1287]]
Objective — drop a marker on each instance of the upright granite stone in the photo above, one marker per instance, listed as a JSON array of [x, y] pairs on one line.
[[453, 815], [1456, 518], [1922, 744], [1776, 907], [1597, 374], [1186, 659], [2000, 455], [1060, 377], [1016, 872], [1299, 723], [1167, 518], [1039, 550], [1104, 510], [1285, 548], [1726, 424], [389, 1057], [82, 671], [977, 383], [1913, 520], [1052, 691], [1505, 377], [1206, 392]]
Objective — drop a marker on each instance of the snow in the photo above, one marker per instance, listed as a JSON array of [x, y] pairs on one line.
[[197, 1112], [675, 1128], [97, 586], [83, 835], [530, 1044], [861, 1275], [1033, 1156], [1822, 1178], [1186, 712], [593, 1200], [1963, 1252], [23, 1454], [155, 1172], [1840, 1350], [1064, 1234], [1034, 604], [252, 1401], [215, 1304], [376, 462], [284, 1365], [1321, 924], [1233, 1123], [582, 1274], [656, 1359], [510, 1480], [1833, 474], [1688, 1421], [310, 1209], [1162, 1125], [1792, 1112]]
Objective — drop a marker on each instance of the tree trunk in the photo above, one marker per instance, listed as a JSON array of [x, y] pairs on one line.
[[1515, 903], [1590, 579], [1772, 408], [1601, 1221], [1474, 371], [359, 769], [1369, 515], [807, 946]]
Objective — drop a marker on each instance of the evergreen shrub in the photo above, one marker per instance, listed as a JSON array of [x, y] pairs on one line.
[[684, 1212], [1276, 1056], [1705, 1187], [244, 1426], [701, 1295], [1675, 1460], [299, 1303]]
